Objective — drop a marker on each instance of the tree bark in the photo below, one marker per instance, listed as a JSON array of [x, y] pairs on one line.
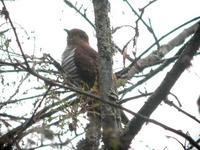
[[110, 117], [93, 133]]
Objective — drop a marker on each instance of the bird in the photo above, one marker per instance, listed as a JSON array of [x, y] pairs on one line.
[[79, 59], [80, 63]]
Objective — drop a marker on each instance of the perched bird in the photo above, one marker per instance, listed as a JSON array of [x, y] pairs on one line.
[[79, 60], [80, 64]]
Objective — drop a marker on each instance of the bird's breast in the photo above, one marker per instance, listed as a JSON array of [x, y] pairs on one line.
[[69, 66]]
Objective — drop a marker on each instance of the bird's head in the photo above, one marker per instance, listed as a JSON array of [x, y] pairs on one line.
[[76, 36]]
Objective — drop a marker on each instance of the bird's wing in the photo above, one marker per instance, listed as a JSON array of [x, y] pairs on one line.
[[86, 63]]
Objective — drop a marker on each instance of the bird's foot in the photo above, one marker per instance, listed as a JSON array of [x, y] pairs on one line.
[[113, 94]]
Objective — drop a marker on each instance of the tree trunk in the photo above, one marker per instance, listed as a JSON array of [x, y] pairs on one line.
[[110, 117]]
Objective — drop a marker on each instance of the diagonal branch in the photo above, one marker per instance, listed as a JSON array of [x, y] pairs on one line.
[[7, 16], [80, 13], [162, 91], [167, 34], [149, 27], [156, 56], [170, 103]]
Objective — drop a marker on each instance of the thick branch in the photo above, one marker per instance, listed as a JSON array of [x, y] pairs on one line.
[[157, 55], [109, 115], [164, 49], [162, 91]]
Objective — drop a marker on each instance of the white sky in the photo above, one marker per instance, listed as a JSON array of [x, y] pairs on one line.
[[47, 19]]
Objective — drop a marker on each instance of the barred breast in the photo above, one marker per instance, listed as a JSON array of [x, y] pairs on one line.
[[69, 67]]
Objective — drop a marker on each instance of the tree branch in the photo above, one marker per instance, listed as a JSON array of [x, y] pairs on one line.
[[80, 13], [156, 56], [7, 16], [162, 91], [110, 116]]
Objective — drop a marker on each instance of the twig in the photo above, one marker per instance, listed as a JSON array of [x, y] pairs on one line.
[[154, 35], [134, 97], [170, 103], [7, 16], [176, 98], [32, 118], [16, 91], [156, 56], [21, 99], [143, 8], [177, 141], [119, 27], [55, 144], [140, 18], [134, 11], [165, 35], [78, 10], [45, 94], [13, 117]]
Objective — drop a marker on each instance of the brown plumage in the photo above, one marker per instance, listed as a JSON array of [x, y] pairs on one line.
[[79, 60]]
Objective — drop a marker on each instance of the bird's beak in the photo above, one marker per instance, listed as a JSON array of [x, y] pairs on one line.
[[66, 30]]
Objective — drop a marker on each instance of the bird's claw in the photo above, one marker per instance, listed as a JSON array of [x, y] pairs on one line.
[[113, 94]]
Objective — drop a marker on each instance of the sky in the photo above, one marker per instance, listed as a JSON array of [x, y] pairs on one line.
[[44, 21]]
